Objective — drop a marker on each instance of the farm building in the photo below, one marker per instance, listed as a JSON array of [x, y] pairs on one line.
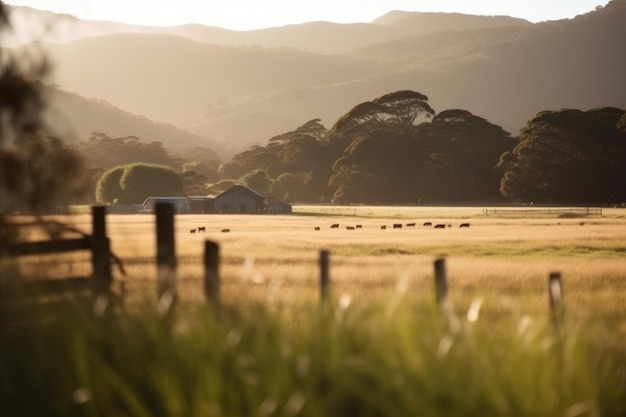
[[239, 199], [278, 207], [201, 205], [181, 204]]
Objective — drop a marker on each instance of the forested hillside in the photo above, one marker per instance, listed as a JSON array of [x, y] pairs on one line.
[[77, 118], [242, 88]]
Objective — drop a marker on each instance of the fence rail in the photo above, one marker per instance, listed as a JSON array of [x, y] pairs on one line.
[[583, 211], [97, 243]]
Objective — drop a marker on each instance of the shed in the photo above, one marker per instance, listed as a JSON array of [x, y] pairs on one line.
[[201, 204], [278, 207], [181, 204], [239, 199]]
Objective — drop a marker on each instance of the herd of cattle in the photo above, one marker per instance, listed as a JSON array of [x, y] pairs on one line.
[[398, 226], [202, 229]]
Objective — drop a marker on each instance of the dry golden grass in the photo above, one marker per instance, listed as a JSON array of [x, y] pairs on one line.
[[503, 261]]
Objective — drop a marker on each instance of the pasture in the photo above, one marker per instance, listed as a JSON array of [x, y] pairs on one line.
[[382, 350], [502, 261]]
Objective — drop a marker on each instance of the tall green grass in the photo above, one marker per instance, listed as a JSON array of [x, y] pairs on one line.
[[371, 359]]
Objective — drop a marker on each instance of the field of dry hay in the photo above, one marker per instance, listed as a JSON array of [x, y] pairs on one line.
[[504, 262]]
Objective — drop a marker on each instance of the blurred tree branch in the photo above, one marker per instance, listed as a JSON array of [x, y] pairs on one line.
[[34, 170]]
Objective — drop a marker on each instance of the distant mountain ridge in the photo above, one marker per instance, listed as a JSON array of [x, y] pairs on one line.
[[321, 37], [241, 88]]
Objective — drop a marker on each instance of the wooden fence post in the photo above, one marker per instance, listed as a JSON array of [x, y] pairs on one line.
[[166, 256], [555, 289], [443, 301], [324, 274], [100, 252], [441, 285], [211, 272]]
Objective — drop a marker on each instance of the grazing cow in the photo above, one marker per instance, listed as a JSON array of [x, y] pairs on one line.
[[410, 225], [428, 224], [225, 230], [317, 228], [192, 230], [358, 226], [440, 226], [383, 227], [582, 224], [397, 225], [201, 229], [334, 226], [464, 225], [349, 227]]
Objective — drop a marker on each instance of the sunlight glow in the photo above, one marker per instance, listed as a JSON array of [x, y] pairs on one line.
[[252, 14]]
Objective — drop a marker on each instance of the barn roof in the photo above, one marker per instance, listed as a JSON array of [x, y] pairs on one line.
[[243, 189], [164, 199]]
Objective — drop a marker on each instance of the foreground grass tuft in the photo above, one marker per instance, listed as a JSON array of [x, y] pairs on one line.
[[396, 359]]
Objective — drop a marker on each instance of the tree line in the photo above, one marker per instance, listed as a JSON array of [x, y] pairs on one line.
[[394, 149]]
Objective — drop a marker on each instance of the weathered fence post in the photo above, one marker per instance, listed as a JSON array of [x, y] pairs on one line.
[[211, 272], [324, 274], [166, 256], [555, 289], [441, 293], [441, 285], [100, 253]]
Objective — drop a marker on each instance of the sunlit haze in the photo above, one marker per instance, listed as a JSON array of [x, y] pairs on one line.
[[256, 14]]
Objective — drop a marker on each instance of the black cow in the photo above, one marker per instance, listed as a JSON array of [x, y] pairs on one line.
[[334, 226], [428, 224], [192, 230], [464, 225], [410, 225], [358, 226], [383, 227], [225, 230], [349, 227], [201, 229], [440, 226], [397, 225], [317, 228]]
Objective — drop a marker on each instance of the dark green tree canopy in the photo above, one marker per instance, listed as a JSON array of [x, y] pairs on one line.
[[568, 156], [133, 183], [258, 180], [460, 151], [447, 160], [399, 109], [105, 152]]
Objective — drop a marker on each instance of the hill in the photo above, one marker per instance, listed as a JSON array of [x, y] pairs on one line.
[[77, 117], [321, 37], [216, 84]]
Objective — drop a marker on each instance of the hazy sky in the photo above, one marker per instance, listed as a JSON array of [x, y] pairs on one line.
[[254, 14]]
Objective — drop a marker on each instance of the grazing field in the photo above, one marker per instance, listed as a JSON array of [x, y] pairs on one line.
[[503, 261], [381, 347]]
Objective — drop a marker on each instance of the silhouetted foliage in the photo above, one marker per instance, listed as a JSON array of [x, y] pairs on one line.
[[461, 150], [108, 188], [36, 171], [133, 183], [209, 171], [568, 156], [302, 152], [194, 184], [257, 179], [447, 160], [102, 151], [399, 109]]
